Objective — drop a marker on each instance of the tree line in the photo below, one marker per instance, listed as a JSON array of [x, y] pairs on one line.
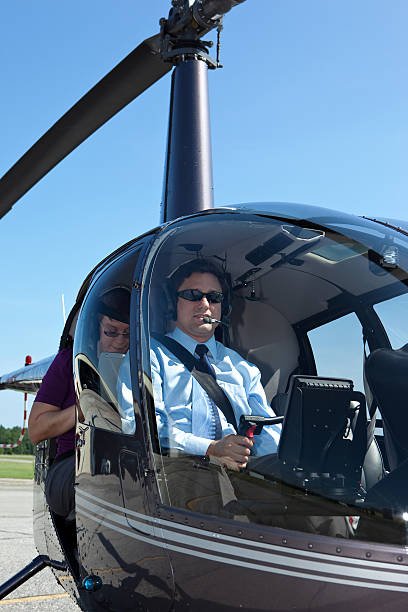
[[10, 435]]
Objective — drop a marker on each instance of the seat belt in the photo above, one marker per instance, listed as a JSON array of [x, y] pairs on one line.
[[206, 381]]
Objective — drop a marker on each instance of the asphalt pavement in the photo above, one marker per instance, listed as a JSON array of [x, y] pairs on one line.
[[42, 592]]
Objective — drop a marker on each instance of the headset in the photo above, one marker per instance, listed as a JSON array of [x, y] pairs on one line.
[[185, 270]]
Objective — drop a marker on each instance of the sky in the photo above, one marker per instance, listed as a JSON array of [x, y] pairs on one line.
[[311, 107]]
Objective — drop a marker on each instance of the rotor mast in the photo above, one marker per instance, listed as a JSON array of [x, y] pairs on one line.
[[188, 180]]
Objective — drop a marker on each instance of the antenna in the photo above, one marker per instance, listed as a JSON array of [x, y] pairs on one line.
[[63, 308]]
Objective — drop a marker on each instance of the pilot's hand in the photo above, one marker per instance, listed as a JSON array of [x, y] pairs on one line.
[[233, 451]]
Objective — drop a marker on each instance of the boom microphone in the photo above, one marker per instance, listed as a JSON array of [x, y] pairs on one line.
[[211, 320]]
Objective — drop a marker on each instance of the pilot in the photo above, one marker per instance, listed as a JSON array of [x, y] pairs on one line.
[[53, 411], [190, 421], [187, 418]]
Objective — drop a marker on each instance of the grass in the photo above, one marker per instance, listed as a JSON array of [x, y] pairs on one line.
[[17, 466], [17, 457]]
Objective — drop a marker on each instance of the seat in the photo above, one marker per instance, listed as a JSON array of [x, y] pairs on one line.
[[277, 358], [96, 390], [386, 374], [386, 371]]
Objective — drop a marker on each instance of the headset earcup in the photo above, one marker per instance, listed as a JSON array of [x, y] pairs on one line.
[[171, 304], [226, 306], [226, 309]]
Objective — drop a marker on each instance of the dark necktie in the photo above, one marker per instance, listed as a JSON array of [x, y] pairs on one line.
[[203, 365]]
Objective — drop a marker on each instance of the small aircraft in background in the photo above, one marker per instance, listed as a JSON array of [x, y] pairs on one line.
[[316, 297]]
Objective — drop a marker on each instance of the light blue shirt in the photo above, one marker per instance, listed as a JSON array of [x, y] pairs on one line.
[[125, 397], [185, 419]]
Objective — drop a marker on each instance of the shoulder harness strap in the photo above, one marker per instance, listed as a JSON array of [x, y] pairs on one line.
[[207, 382]]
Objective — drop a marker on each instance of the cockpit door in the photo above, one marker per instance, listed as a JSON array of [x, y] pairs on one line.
[[116, 536], [137, 469]]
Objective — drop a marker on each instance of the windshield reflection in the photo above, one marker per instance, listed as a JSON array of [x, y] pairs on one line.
[[290, 278]]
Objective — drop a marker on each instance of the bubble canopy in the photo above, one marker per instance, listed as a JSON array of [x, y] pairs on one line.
[[316, 301], [305, 289]]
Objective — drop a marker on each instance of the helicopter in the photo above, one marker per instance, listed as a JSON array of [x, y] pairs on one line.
[[310, 276]]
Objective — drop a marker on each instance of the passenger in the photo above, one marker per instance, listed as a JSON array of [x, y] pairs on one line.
[[53, 412], [188, 420]]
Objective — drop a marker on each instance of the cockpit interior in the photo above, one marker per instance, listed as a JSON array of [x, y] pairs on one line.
[[315, 303]]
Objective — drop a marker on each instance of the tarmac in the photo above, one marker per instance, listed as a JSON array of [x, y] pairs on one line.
[[42, 592]]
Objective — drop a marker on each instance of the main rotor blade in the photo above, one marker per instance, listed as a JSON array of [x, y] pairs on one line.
[[131, 77]]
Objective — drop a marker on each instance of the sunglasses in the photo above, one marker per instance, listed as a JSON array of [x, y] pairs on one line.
[[115, 334], [195, 295]]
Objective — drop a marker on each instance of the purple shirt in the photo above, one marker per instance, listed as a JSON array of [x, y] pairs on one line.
[[57, 389]]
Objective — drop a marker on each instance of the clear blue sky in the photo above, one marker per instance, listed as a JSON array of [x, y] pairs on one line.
[[310, 107]]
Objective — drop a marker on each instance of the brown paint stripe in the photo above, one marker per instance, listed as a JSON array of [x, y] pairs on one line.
[[32, 598]]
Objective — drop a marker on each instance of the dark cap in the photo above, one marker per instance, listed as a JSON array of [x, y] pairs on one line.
[[115, 304]]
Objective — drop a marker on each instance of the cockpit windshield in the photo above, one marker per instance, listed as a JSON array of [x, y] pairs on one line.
[[290, 311]]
